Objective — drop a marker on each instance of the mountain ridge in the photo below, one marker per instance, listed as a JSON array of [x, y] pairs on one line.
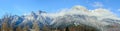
[[63, 19]]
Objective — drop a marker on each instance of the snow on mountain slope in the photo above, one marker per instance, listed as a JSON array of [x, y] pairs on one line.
[[78, 15]]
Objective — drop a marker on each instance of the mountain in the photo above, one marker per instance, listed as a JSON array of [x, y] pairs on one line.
[[77, 16]]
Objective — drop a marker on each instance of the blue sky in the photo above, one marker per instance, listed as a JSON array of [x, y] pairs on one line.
[[20, 7]]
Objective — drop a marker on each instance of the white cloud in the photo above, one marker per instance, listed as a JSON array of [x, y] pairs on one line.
[[97, 4], [100, 12]]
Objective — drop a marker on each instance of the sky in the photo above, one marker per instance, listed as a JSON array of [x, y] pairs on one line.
[[20, 7]]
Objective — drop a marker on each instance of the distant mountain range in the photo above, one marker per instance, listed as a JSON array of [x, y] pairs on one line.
[[79, 16]]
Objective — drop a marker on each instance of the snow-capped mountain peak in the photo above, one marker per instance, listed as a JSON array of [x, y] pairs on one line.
[[78, 16]]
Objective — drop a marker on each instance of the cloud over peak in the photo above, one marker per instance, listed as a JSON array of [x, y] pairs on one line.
[[96, 12]]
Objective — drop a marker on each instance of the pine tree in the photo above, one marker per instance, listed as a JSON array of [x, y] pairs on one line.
[[4, 27], [45, 28], [26, 28], [35, 27], [18, 28], [5, 24]]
